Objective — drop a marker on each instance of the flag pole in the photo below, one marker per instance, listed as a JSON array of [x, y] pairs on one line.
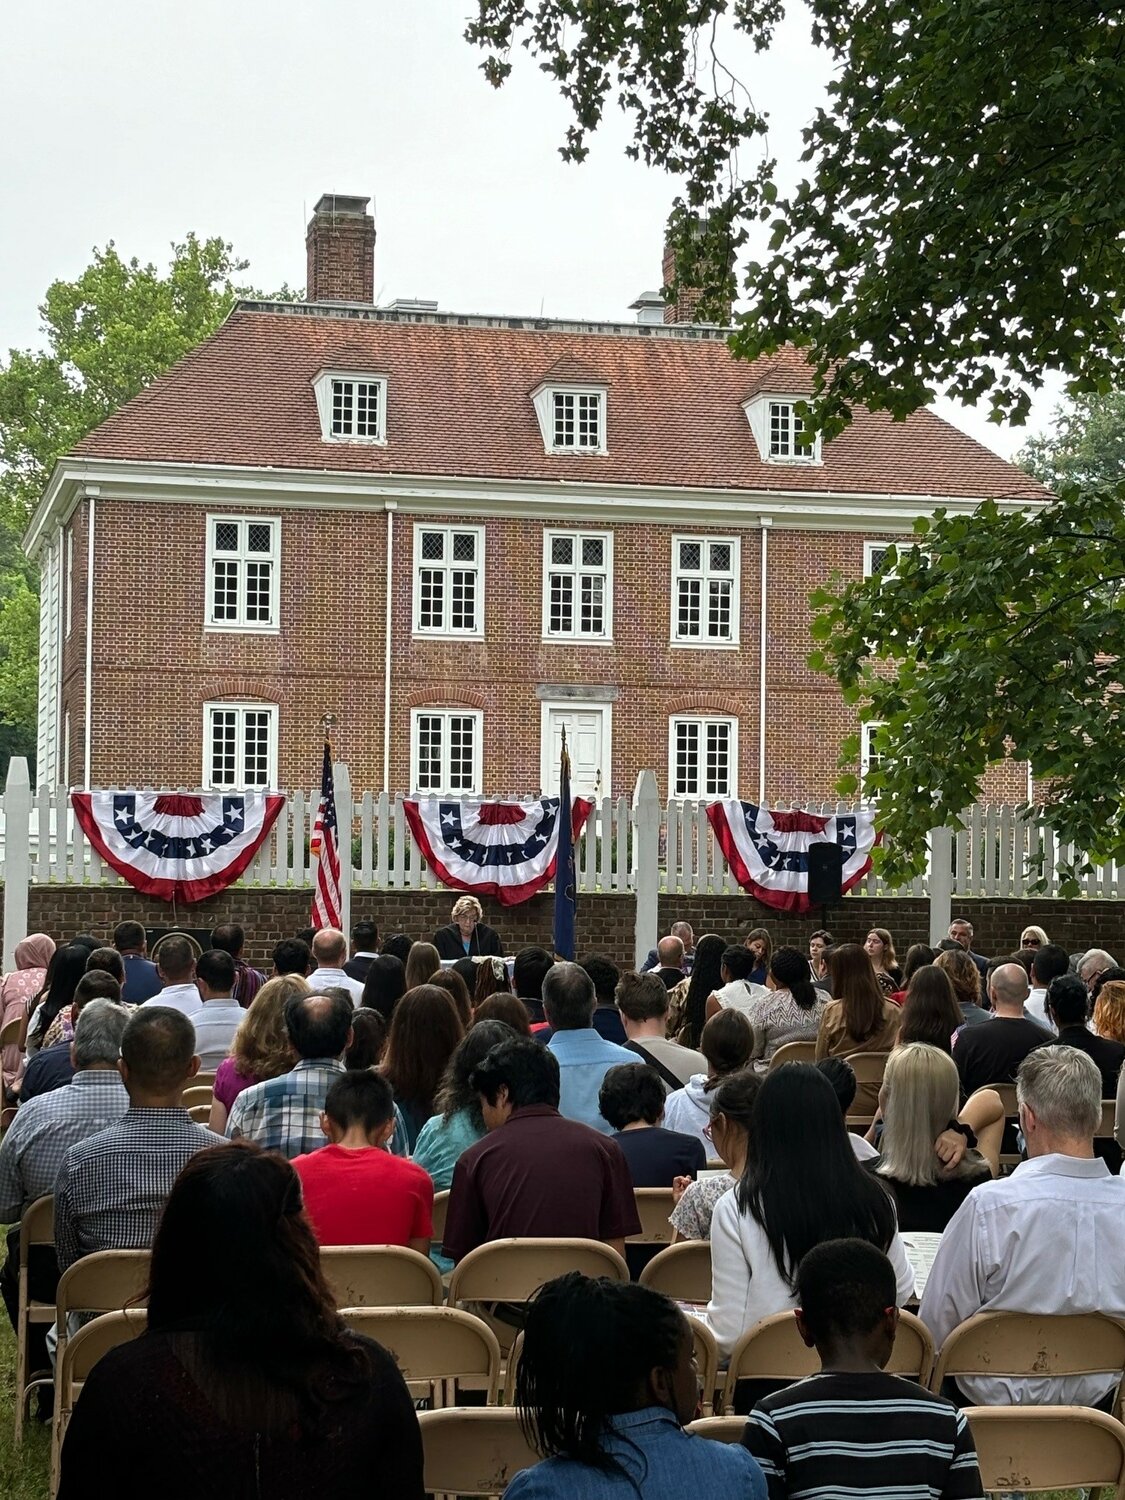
[[566, 880]]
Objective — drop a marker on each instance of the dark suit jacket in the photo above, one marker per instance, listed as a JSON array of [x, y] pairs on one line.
[[486, 942], [359, 966], [1108, 1055]]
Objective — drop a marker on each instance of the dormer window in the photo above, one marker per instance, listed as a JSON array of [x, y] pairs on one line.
[[780, 431], [572, 419], [352, 407]]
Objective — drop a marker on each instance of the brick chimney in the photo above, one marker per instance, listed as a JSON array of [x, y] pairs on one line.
[[685, 307], [341, 251]]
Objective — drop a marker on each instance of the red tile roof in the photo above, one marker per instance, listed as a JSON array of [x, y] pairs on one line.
[[458, 404]]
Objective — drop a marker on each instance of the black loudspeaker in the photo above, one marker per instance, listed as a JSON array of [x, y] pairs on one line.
[[826, 871]]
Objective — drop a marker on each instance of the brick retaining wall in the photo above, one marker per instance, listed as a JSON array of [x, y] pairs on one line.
[[605, 922]]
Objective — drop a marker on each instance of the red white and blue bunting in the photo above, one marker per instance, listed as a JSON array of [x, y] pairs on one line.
[[501, 849], [177, 846], [768, 851]]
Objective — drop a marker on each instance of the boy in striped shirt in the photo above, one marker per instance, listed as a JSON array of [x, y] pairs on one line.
[[853, 1429]]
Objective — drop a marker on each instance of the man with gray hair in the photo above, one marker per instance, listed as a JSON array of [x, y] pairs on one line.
[[584, 1057], [1093, 964], [681, 930], [39, 1137], [1049, 1239]]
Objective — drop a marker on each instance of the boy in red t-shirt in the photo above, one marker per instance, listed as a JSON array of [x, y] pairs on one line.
[[356, 1192]]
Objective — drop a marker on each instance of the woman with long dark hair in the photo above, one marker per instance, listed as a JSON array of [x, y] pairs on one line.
[[605, 1385], [385, 985], [686, 1022], [930, 1012], [802, 1185], [859, 1018], [732, 1111], [452, 982], [245, 1381], [425, 1029], [66, 967], [760, 944], [792, 1010], [458, 1123]]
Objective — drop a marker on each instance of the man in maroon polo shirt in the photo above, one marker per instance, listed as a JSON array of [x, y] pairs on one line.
[[536, 1174]]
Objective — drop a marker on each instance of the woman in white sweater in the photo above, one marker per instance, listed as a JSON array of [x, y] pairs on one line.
[[802, 1185]]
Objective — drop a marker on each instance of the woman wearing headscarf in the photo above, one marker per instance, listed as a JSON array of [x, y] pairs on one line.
[[17, 990]]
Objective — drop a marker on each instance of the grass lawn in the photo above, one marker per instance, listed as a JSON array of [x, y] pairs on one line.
[[24, 1472]]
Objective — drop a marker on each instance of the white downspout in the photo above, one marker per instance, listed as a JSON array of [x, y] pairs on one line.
[[762, 624], [390, 507], [88, 726]]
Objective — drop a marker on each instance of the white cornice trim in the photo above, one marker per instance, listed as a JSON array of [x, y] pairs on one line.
[[584, 498]]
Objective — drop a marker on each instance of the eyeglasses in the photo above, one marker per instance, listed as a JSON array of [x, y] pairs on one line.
[[1029, 942]]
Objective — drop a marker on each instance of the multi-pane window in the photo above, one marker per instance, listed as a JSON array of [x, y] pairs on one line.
[[448, 573], [242, 565], [702, 756], [705, 589], [239, 746], [577, 419], [786, 432], [874, 559], [446, 751], [357, 408], [577, 574], [868, 756]]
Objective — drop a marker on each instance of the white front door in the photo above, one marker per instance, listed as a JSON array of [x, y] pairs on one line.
[[587, 728]]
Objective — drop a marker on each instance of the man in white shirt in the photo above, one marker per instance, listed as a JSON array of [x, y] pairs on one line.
[[330, 949], [175, 966], [1048, 1239], [1049, 962], [221, 1015]]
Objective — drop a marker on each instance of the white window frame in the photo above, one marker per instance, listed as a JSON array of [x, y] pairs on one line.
[[324, 390], [240, 625], [241, 708], [704, 721], [605, 636], [706, 539], [446, 713], [866, 735], [543, 399], [869, 551], [445, 631], [759, 415]]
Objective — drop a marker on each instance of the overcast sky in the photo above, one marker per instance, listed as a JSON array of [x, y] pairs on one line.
[[139, 121]]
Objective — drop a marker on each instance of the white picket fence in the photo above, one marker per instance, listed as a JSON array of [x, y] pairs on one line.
[[989, 856]]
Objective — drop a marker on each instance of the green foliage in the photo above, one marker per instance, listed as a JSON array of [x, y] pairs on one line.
[[1087, 445], [107, 335], [959, 226], [996, 634]]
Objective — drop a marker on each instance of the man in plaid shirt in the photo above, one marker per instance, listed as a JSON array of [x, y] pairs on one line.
[[111, 1187], [283, 1114], [38, 1139]]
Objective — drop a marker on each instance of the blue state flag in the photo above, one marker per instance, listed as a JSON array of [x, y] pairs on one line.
[[566, 879]]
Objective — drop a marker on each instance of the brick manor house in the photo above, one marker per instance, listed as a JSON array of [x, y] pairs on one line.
[[460, 534]]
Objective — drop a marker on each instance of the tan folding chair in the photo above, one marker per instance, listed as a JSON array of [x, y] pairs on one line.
[[682, 1272], [774, 1350], [37, 1227], [200, 1113], [792, 1052], [204, 1081], [198, 1094], [1007, 1092], [720, 1429], [1040, 1346], [434, 1348], [1048, 1448], [472, 1450], [512, 1270], [106, 1281], [1108, 1120], [10, 1034], [84, 1350], [441, 1208], [380, 1276], [654, 1205], [868, 1068]]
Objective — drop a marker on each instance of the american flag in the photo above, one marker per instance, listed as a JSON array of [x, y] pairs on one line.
[[326, 908]]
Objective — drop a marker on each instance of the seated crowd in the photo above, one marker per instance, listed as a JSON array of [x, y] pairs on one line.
[[807, 1114]]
